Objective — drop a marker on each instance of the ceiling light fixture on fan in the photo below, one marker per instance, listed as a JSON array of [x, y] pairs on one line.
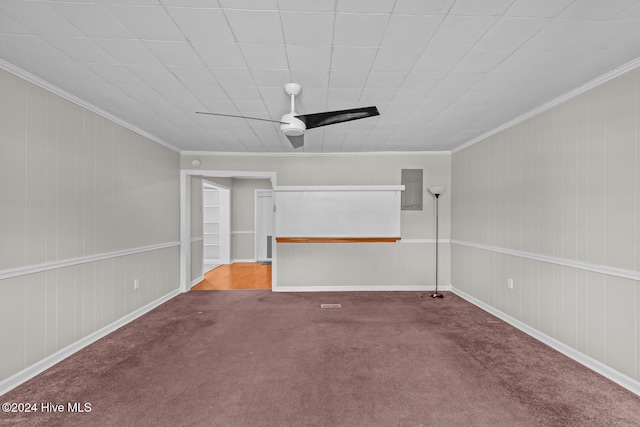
[[293, 125]]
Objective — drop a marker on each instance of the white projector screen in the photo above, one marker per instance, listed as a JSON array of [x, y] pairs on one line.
[[338, 211]]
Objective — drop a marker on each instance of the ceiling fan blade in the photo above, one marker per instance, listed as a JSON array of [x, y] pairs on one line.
[[331, 117], [296, 141], [241, 117]]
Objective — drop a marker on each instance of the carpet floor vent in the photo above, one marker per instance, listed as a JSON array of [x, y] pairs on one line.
[[330, 305]]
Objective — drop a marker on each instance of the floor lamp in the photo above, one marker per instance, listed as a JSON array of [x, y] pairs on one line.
[[437, 191]]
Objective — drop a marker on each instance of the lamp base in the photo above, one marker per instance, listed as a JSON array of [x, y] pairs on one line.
[[436, 295]]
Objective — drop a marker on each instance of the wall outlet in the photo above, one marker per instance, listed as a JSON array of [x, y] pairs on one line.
[[136, 283], [510, 283]]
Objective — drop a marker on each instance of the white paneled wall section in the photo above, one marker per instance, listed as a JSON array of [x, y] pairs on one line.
[[87, 208], [553, 202]]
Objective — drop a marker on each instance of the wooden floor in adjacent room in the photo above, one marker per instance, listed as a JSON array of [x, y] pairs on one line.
[[239, 275]]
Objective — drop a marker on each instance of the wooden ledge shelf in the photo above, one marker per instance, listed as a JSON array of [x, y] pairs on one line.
[[337, 239]]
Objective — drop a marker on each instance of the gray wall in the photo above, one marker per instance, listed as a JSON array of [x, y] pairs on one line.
[[553, 203], [408, 264], [243, 217], [86, 207]]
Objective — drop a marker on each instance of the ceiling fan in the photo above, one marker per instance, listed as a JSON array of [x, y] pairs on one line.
[[293, 125]]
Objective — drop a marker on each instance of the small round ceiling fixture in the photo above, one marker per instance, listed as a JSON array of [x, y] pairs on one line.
[[195, 163]]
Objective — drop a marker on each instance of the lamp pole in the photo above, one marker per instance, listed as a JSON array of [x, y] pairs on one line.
[[437, 191]]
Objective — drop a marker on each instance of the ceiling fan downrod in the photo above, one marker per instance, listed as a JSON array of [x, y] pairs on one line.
[[292, 126]]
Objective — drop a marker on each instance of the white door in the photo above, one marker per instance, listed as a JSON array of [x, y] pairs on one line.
[[264, 225]]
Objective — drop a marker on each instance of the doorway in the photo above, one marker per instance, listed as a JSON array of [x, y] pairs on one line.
[[239, 275], [185, 219]]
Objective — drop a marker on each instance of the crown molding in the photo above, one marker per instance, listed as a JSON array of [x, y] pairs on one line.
[[306, 154], [10, 68], [604, 78]]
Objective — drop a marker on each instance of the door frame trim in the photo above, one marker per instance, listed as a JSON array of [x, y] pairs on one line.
[[185, 217], [256, 236]]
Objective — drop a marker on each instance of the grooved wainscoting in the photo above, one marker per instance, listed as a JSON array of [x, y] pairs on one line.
[[90, 226], [552, 203], [63, 307], [582, 312]]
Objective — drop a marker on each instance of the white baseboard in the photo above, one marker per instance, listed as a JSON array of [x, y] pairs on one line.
[[363, 288], [196, 281], [244, 260], [599, 367], [26, 374]]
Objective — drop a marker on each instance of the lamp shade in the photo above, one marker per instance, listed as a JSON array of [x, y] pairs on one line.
[[437, 190]]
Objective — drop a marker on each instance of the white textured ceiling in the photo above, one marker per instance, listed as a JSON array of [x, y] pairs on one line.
[[441, 72]]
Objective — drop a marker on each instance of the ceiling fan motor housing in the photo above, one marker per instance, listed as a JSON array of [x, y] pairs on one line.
[[291, 125]]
